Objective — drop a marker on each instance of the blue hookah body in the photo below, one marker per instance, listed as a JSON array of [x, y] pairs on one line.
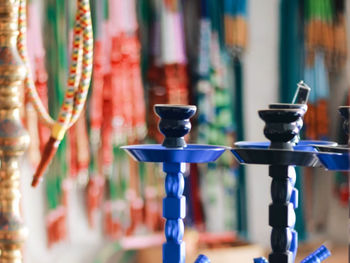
[[174, 153]]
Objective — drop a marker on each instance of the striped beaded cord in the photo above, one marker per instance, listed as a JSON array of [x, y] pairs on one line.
[[78, 83]]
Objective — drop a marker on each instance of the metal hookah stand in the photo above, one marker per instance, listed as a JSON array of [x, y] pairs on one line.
[[13, 137], [283, 123], [174, 153]]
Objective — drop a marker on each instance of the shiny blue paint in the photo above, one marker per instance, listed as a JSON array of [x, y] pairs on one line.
[[335, 161], [160, 154], [318, 256], [260, 260], [174, 204], [294, 199], [202, 259], [294, 244]]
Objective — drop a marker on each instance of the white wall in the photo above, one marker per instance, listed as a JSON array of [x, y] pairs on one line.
[[261, 88]]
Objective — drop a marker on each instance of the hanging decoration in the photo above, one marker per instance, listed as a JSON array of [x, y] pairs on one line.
[[167, 74], [116, 118], [214, 120], [95, 186], [124, 204], [215, 95], [128, 56], [56, 226], [326, 51], [37, 95], [236, 40], [235, 20], [78, 81], [316, 121], [325, 28], [313, 45], [38, 132]]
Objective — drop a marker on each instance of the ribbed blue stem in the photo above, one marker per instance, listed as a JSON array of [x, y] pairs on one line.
[[174, 211]]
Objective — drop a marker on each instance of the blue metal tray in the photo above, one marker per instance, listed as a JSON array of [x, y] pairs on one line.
[[267, 156], [335, 161], [304, 153], [193, 153], [334, 158], [303, 145]]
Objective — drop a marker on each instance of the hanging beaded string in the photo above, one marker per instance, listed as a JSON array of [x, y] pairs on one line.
[[29, 82], [78, 81]]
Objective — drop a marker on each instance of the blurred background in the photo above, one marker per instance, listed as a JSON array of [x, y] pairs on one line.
[[231, 58]]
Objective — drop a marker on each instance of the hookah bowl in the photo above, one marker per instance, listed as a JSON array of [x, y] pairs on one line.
[[282, 126], [174, 153], [298, 145]]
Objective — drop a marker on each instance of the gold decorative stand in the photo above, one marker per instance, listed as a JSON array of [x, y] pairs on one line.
[[13, 137]]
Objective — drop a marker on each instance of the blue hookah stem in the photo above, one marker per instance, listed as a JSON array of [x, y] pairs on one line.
[[174, 211]]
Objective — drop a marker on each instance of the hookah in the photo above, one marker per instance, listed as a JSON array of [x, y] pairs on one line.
[[283, 123], [174, 153]]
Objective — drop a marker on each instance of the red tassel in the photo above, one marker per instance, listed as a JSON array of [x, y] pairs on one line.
[[94, 196]]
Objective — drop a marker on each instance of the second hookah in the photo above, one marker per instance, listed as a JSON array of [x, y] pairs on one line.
[[283, 123]]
